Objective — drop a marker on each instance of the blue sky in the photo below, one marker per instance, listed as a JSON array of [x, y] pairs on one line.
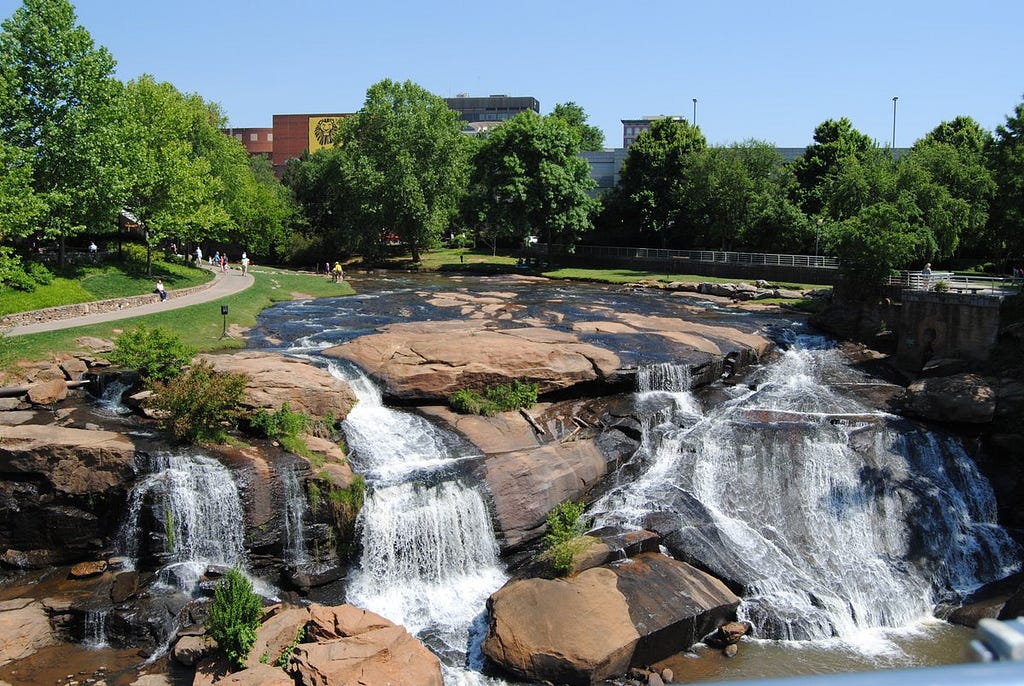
[[770, 70]]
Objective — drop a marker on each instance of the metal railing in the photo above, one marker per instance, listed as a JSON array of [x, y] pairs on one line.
[[716, 256], [956, 283]]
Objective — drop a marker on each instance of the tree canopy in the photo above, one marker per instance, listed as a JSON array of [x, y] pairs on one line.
[[528, 179]]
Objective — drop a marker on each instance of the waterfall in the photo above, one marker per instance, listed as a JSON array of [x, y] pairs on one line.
[[673, 378], [831, 517], [94, 634], [295, 507], [110, 400], [192, 508], [429, 557]]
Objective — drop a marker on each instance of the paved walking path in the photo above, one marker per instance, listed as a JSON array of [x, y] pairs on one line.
[[224, 284]]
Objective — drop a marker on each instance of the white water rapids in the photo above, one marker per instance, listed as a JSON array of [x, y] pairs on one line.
[[429, 556], [829, 517]]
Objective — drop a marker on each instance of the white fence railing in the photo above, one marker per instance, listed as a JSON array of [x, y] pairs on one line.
[[720, 256], [955, 283]]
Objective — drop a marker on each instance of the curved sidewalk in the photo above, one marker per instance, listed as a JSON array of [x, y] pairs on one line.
[[223, 285]]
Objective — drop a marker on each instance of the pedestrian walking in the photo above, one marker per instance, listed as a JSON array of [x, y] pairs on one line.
[[245, 264]]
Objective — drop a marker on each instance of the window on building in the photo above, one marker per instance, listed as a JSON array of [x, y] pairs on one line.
[[254, 137], [270, 137], [238, 136]]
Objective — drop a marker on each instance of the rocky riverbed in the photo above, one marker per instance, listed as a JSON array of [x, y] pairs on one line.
[[69, 472]]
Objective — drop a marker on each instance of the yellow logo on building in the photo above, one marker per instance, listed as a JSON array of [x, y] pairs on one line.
[[321, 132]]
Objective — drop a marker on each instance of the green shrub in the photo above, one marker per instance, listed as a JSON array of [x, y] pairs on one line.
[[495, 399], [280, 424], [201, 405], [157, 354], [235, 617], [565, 537], [286, 655]]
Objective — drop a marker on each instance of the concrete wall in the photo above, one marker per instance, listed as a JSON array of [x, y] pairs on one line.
[[724, 270], [946, 325]]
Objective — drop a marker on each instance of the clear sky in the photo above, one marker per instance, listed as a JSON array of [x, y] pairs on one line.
[[765, 69]]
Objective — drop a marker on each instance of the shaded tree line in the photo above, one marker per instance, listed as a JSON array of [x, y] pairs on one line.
[[78, 146]]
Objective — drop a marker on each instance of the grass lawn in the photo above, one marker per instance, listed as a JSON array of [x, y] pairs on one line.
[[85, 283], [455, 259], [198, 325]]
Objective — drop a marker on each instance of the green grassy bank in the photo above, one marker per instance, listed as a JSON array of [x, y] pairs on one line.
[[198, 325]]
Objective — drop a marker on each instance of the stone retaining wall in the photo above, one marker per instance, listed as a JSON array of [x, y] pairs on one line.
[[81, 309]]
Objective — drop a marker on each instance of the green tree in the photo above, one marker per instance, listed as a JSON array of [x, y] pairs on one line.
[[836, 143], [591, 137], [171, 189], [654, 176], [1006, 159], [953, 156], [403, 163], [55, 91], [528, 178], [20, 207]]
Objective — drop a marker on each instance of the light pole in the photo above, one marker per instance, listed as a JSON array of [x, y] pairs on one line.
[[894, 99], [695, 111]]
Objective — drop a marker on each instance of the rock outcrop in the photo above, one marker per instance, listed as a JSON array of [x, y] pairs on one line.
[[59, 490], [341, 645], [426, 361], [24, 629], [276, 379], [959, 399], [597, 624]]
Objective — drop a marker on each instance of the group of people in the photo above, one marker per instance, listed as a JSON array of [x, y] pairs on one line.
[[221, 260]]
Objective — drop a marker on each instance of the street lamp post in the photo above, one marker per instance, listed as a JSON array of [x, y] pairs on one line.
[[894, 99], [695, 111]]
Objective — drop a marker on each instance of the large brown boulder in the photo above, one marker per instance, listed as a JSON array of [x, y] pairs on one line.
[[71, 461], [384, 656], [432, 360], [526, 485], [62, 487], [594, 626], [275, 380], [24, 629], [961, 399]]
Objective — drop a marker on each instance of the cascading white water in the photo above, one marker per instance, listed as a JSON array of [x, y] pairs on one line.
[[95, 629], [110, 399], [195, 500], [829, 517], [295, 507], [429, 558], [665, 376]]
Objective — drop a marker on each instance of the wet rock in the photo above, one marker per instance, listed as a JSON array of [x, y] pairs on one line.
[[24, 629], [730, 650], [667, 675], [728, 633], [125, 585], [11, 404], [654, 679], [84, 570]]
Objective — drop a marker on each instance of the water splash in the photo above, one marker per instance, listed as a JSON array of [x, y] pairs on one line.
[[195, 503], [94, 634], [832, 518], [429, 559], [295, 507]]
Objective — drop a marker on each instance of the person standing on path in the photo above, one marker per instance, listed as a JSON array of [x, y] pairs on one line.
[[245, 264]]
